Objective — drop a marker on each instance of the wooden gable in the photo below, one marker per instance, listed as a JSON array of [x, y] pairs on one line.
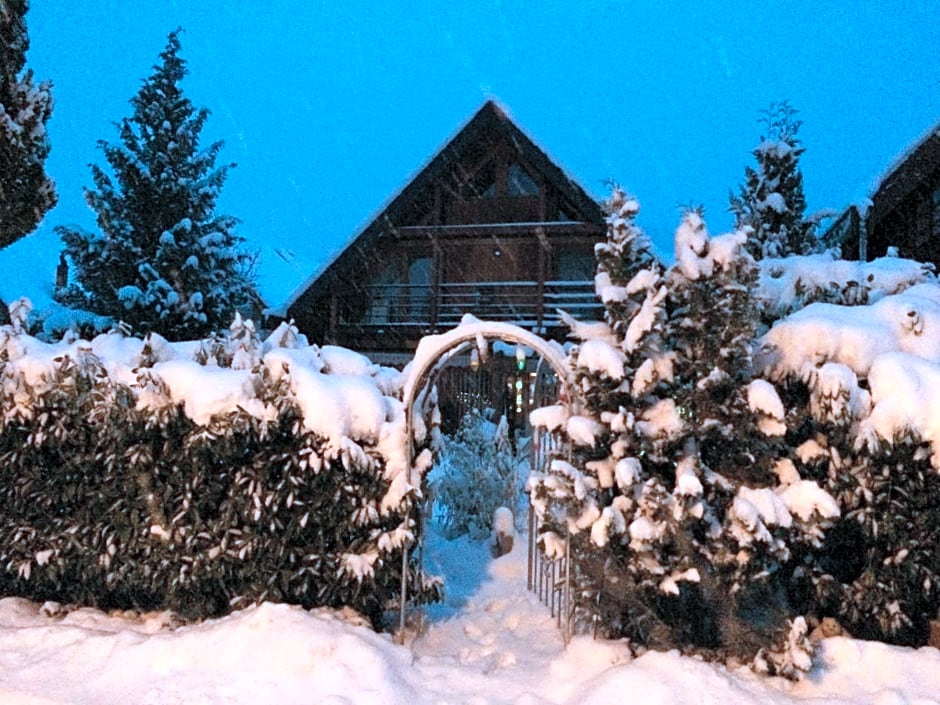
[[904, 212], [490, 213]]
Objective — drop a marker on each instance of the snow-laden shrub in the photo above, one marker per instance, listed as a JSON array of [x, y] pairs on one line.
[[878, 569], [859, 387], [133, 477], [477, 472], [787, 284]]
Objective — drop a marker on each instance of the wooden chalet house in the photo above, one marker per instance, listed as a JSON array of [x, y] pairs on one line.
[[904, 212], [491, 226]]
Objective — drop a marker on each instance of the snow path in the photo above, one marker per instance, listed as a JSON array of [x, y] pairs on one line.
[[500, 635], [491, 643]]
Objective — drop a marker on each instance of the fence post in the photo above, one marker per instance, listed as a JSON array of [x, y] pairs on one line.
[[531, 555], [403, 606], [567, 600]]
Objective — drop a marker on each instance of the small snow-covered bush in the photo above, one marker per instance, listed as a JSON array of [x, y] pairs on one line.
[[133, 477], [878, 569], [858, 384], [476, 473], [787, 284]]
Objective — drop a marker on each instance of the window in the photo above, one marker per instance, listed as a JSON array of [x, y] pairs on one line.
[[419, 289], [483, 183], [384, 296], [575, 266], [519, 183]]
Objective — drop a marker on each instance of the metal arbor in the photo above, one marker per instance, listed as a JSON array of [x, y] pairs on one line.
[[432, 356]]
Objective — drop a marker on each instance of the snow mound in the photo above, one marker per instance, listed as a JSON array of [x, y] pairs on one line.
[[497, 645]]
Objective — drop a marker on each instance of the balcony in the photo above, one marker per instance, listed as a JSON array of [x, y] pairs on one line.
[[442, 307]]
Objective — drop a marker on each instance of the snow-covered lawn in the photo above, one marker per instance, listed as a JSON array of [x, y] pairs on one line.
[[491, 642]]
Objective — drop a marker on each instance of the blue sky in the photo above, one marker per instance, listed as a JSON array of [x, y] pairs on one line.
[[330, 107]]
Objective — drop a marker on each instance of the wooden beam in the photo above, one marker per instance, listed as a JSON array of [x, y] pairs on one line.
[[436, 277], [502, 230], [540, 282]]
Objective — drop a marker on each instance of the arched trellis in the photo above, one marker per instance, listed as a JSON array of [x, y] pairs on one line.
[[432, 356]]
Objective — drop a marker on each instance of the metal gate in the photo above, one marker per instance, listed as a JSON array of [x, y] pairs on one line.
[[549, 578]]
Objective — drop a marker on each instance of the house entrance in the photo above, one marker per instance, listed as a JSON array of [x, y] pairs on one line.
[[550, 379]]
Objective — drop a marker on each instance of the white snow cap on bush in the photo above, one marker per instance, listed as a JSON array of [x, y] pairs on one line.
[[904, 398], [806, 498], [781, 278], [894, 344], [856, 335], [762, 398], [583, 431], [357, 406], [551, 418], [598, 357]]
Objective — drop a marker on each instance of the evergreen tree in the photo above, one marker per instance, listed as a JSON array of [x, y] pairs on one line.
[[591, 494], [26, 192], [477, 473], [771, 200], [723, 459], [164, 261], [713, 322], [678, 524]]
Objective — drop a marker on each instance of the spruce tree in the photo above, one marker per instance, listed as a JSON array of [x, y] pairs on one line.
[[163, 260], [771, 200], [668, 496], [713, 322], [26, 192], [477, 473], [590, 494]]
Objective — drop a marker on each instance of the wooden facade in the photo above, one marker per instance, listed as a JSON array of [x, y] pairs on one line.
[[491, 226], [904, 212]]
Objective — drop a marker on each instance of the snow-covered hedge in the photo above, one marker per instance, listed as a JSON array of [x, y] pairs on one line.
[[788, 284], [201, 476]]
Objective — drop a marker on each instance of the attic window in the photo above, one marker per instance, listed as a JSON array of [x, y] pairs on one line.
[[519, 183]]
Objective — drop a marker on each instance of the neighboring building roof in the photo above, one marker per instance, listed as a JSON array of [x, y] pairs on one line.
[[488, 119], [914, 167]]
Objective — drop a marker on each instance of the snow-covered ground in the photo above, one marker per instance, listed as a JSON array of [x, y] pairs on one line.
[[491, 642]]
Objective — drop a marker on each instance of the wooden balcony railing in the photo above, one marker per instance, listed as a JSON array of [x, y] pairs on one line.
[[520, 302]]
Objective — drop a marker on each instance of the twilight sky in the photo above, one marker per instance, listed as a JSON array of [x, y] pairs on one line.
[[329, 108]]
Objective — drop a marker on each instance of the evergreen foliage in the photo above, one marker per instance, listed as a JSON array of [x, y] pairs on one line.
[[668, 497], [110, 496], [26, 192], [163, 260], [877, 572], [771, 200], [477, 472]]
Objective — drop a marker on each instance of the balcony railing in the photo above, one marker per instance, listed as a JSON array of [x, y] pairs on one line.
[[518, 302]]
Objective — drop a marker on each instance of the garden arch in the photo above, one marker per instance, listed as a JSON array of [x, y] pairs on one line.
[[432, 356]]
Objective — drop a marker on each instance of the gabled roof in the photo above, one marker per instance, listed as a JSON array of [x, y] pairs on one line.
[[912, 169], [488, 121]]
